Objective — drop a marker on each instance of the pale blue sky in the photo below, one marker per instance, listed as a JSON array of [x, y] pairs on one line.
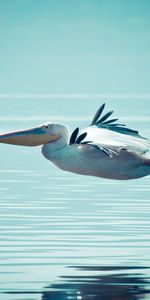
[[74, 46]]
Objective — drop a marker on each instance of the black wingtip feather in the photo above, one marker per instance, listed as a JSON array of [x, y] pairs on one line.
[[110, 121], [98, 113], [74, 136], [105, 117], [81, 138]]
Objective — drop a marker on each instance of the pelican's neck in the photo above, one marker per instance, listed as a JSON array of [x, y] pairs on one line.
[[52, 149]]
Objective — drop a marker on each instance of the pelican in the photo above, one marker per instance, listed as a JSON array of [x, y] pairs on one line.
[[105, 148]]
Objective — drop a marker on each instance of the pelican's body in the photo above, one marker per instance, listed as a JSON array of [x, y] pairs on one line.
[[104, 149], [89, 160]]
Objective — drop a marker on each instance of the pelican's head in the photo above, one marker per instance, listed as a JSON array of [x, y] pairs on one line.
[[40, 135]]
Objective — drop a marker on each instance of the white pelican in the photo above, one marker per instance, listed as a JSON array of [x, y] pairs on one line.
[[104, 149]]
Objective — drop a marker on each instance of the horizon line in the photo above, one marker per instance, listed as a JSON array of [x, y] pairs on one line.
[[75, 95]]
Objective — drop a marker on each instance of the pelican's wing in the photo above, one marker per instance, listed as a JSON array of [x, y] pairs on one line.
[[109, 136], [103, 122], [97, 138], [112, 137], [103, 140]]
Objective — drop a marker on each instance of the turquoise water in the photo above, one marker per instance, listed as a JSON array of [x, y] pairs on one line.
[[67, 236]]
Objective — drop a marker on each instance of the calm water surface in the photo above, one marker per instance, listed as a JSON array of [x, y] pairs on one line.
[[66, 236]]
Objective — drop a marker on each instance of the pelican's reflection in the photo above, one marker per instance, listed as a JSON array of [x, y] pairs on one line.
[[104, 283]]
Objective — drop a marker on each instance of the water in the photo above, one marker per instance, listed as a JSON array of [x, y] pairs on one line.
[[66, 236]]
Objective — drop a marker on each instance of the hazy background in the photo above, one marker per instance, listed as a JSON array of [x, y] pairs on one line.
[[59, 60], [74, 47]]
